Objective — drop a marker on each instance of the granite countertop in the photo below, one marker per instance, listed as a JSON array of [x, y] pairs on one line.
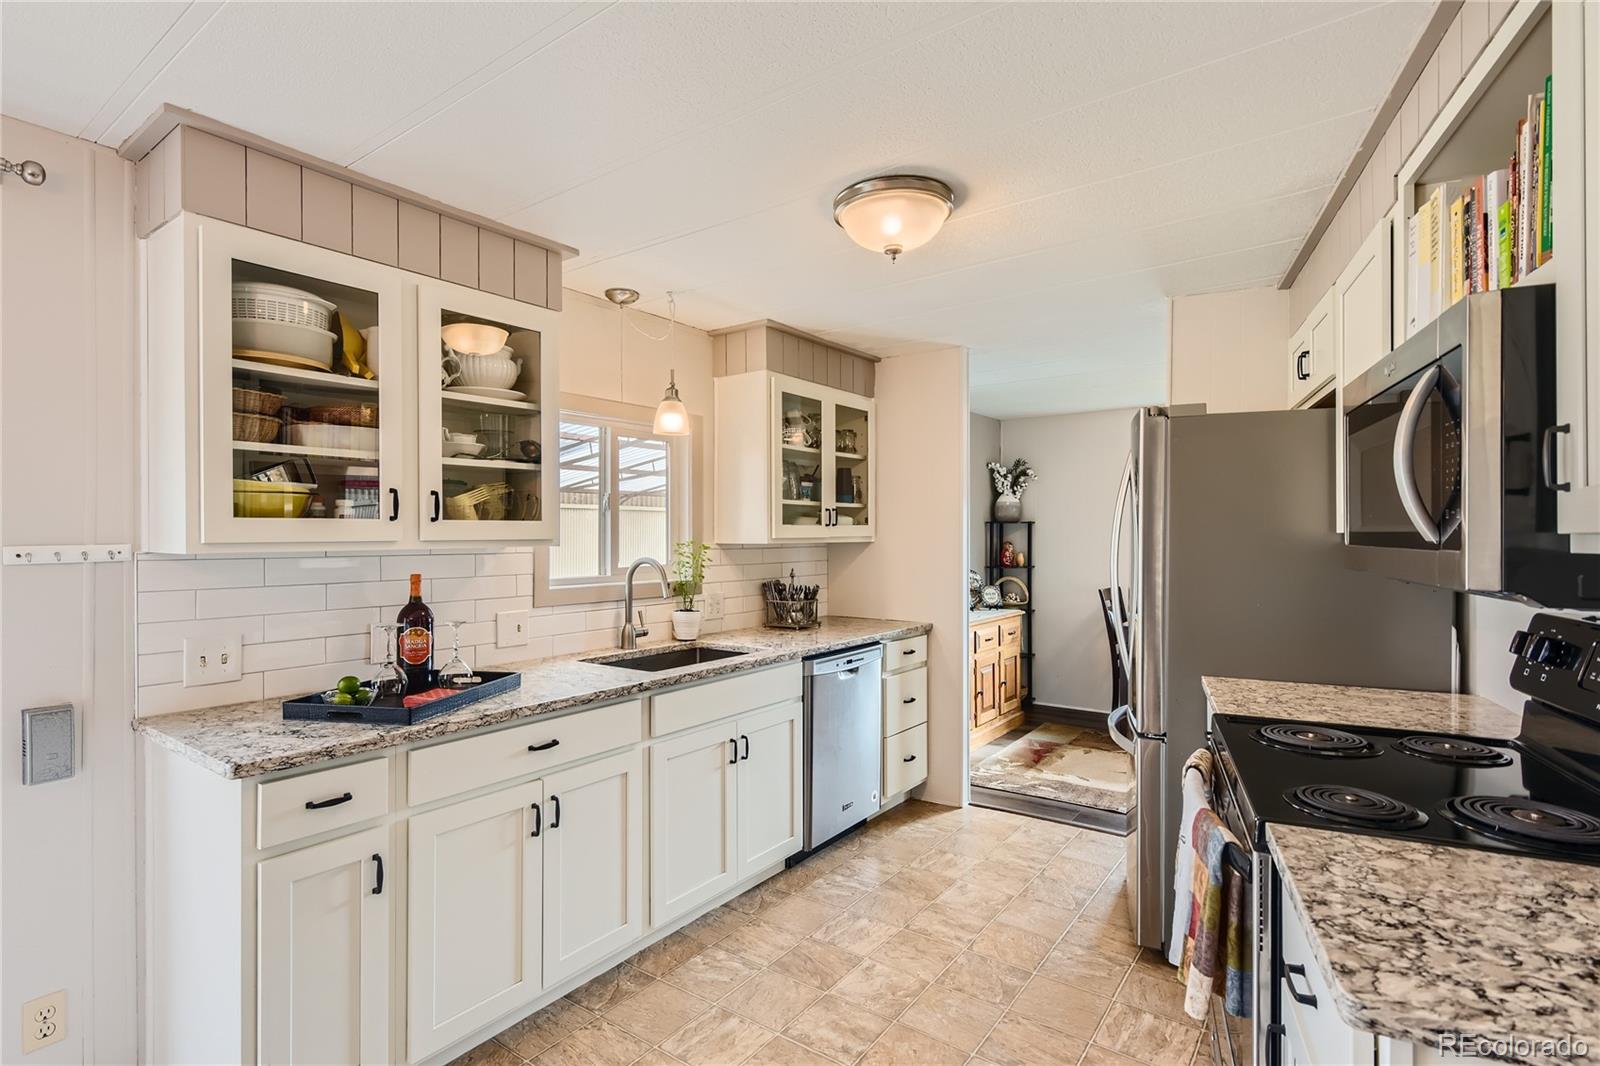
[[991, 614], [1384, 708], [1419, 939], [246, 739]]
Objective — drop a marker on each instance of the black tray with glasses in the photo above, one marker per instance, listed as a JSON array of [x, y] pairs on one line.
[[391, 710]]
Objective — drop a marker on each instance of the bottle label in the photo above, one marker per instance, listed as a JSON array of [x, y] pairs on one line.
[[416, 645]]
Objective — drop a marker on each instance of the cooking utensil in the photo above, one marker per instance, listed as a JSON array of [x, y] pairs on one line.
[[266, 302], [259, 499]]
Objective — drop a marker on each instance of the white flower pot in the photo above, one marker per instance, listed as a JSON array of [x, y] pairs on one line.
[[686, 625]]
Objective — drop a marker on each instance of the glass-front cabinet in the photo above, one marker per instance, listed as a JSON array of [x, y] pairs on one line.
[[486, 417], [823, 481]]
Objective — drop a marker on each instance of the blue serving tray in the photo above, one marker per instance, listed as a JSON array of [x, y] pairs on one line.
[[391, 711]]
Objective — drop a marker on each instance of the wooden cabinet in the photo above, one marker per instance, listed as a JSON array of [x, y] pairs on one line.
[[1311, 355], [985, 687], [475, 882], [593, 862], [795, 461], [997, 689], [322, 951], [1011, 666]]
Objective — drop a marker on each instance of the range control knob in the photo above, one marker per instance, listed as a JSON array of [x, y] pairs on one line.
[[1553, 652], [1519, 640]]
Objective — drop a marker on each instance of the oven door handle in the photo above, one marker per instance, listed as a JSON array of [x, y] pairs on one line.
[[1405, 446]]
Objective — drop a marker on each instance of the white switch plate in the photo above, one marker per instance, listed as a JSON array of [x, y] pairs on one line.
[[44, 1021], [713, 606], [212, 660], [513, 629]]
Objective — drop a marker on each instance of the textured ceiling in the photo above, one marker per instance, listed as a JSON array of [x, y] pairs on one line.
[[1106, 156]]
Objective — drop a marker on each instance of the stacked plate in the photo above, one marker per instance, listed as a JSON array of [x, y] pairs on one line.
[[282, 326]]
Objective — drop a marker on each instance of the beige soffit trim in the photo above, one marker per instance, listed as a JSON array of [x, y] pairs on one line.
[[171, 116], [1443, 15], [825, 342]]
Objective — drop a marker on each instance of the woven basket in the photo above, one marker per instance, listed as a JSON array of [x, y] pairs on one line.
[[344, 414], [255, 429], [256, 402]]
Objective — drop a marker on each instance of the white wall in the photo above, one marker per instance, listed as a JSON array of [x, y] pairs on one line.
[[1079, 459], [914, 568], [1227, 351], [67, 475], [985, 437]]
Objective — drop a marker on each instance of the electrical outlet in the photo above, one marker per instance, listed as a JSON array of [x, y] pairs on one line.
[[44, 1021], [513, 629], [212, 660], [713, 605]]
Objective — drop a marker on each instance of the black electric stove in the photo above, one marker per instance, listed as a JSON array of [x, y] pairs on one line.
[[1537, 794]]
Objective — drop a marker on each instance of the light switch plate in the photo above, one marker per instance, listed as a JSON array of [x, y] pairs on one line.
[[212, 660], [513, 629], [48, 744], [713, 605]]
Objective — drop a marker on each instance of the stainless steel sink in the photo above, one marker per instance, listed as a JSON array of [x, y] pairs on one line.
[[668, 658]]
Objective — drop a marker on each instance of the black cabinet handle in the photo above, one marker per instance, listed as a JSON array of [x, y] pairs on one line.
[[909, 699], [538, 820], [394, 505], [733, 756], [436, 503], [1302, 370], [322, 804], [1291, 970], [909, 758], [377, 889], [1547, 458], [909, 651], [555, 818], [546, 746], [746, 740]]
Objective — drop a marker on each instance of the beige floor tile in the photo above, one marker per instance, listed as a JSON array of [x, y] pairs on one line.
[[1070, 1010], [870, 866], [657, 1012], [836, 1028], [545, 1027], [666, 954], [943, 862], [656, 1057], [1044, 919], [880, 988], [610, 988], [1150, 961], [1034, 855], [837, 889], [1002, 873], [1087, 967], [924, 884], [772, 999], [1018, 1041], [1107, 937], [920, 956], [903, 1046], [761, 898], [1150, 1038], [905, 850], [950, 924], [717, 1038], [974, 841], [1013, 946], [856, 933], [800, 916], [781, 1051], [1046, 888], [1157, 993], [951, 1017], [815, 963], [597, 1044], [1039, 831], [1099, 1056], [713, 973], [759, 941], [1100, 847], [713, 926], [976, 898], [488, 1053], [984, 978], [888, 904]]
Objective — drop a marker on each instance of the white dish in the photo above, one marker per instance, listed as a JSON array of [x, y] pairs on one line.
[[460, 438], [342, 438], [844, 520], [493, 394], [469, 338], [264, 301], [806, 520], [470, 449], [286, 338], [497, 370]]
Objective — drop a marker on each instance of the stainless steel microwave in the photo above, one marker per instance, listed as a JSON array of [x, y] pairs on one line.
[[1450, 475]]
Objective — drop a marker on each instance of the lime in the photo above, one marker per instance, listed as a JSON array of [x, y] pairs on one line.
[[363, 696], [342, 699], [349, 685]]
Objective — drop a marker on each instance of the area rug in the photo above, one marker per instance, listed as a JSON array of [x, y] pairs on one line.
[[1062, 762]]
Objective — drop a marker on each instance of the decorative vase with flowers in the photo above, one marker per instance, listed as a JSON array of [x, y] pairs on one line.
[[689, 559], [1009, 483]]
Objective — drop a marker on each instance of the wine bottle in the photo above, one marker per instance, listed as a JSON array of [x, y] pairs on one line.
[[415, 640]]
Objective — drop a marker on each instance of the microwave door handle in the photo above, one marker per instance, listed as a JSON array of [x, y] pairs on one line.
[[1405, 445], [1118, 622]]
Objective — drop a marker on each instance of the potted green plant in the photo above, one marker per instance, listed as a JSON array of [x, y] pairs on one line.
[[689, 560]]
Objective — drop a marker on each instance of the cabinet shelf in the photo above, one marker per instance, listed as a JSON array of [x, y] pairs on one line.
[[801, 449], [322, 379], [489, 464], [849, 457], [810, 504], [467, 400], [300, 449]]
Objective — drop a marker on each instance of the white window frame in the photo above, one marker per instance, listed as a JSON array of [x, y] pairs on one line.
[[682, 461]]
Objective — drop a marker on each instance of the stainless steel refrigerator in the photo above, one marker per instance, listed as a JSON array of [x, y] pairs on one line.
[[1224, 541]]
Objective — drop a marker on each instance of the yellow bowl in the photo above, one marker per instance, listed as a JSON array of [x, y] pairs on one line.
[[267, 499]]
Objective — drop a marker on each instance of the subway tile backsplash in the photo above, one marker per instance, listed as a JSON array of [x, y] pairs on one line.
[[306, 620]]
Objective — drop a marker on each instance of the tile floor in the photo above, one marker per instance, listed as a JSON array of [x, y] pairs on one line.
[[935, 935]]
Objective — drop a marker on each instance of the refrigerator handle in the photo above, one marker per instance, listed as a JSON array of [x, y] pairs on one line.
[[1405, 444], [1118, 622], [1117, 725]]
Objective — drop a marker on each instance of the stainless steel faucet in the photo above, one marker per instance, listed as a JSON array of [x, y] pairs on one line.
[[630, 634]]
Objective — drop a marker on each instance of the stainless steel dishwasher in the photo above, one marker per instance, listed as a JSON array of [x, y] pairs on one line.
[[844, 741]]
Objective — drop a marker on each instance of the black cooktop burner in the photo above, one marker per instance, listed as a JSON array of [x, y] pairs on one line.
[[1315, 740], [1456, 750], [1355, 806], [1525, 819]]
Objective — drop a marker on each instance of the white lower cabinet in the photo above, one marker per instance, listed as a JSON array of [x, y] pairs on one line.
[[475, 883], [593, 862], [323, 943], [771, 786]]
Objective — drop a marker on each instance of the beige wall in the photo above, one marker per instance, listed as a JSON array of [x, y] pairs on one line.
[[1227, 351], [985, 436], [913, 570]]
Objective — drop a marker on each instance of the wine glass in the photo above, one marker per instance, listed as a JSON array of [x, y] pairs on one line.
[[456, 673], [390, 679]]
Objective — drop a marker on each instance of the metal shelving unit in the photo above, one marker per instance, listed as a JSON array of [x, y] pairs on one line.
[[994, 537]]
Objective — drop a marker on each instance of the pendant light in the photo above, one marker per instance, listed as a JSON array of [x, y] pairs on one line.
[[672, 417], [894, 213]]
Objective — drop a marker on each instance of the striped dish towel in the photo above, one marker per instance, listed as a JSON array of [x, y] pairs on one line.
[[1217, 956]]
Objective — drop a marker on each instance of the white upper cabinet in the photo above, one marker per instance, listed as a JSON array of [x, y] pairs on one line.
[[1361, 313], [1576, 207], [279, 410], [796, 461], [1311, 355]]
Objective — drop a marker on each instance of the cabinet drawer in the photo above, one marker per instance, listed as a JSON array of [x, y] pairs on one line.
[[294, 807], [905, 654], [905, 700], [458, 765], [684, 708], [905, 760], [1011, 632], [985, 637]]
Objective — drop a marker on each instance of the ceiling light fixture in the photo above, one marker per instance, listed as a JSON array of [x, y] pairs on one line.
[[894, 213], [672, 417]]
